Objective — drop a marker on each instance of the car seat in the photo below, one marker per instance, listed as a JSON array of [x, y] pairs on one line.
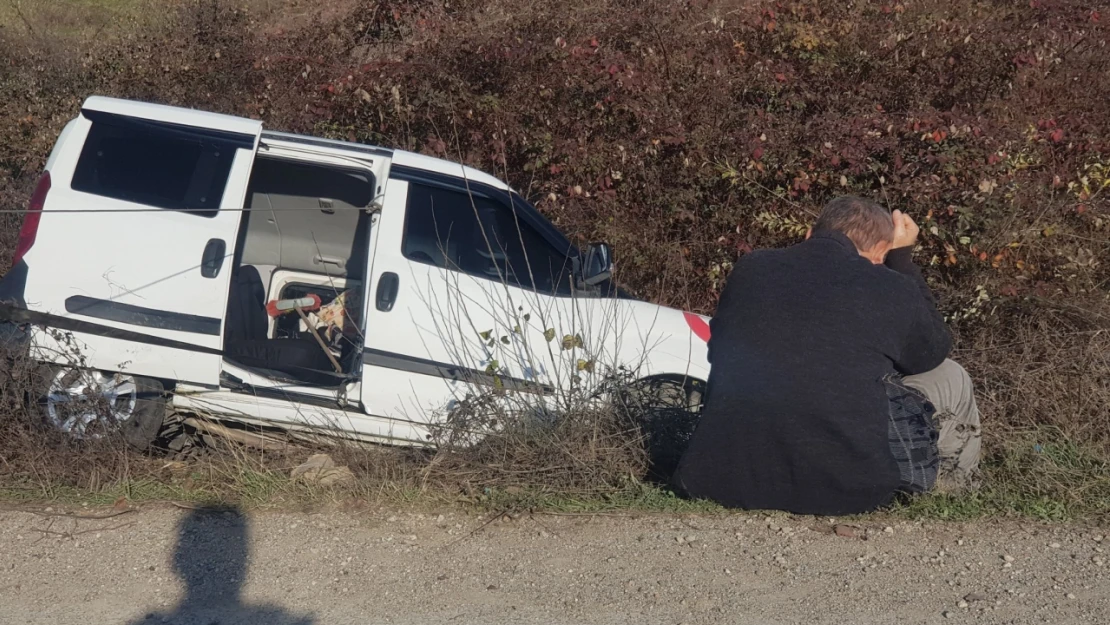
[[246, 306], [246, 340]]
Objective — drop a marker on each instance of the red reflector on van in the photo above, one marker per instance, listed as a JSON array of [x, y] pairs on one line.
[[698, 326], [31, 219]]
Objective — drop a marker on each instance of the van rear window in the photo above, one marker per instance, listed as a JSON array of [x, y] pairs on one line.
[[158, 165]]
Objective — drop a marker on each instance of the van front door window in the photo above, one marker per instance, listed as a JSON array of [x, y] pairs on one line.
[[482, 237]]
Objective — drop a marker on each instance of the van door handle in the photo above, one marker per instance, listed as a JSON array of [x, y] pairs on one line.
[[320, 259], [387, 291], [213, 258]]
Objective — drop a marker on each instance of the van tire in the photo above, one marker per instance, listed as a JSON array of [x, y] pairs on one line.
[[666, 410], [135, 406], [143, 428]]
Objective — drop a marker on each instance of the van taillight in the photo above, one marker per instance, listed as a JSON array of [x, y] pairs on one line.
[[31, 219]]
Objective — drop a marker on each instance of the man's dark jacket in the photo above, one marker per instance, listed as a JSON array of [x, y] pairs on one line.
[[796, 413]]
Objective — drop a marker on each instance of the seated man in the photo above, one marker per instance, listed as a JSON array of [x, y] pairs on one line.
[[830, 389]]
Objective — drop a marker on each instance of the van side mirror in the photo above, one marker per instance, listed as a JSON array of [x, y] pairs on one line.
[[598, 264]]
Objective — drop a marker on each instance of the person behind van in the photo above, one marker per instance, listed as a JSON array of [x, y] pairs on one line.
[[830, 389]]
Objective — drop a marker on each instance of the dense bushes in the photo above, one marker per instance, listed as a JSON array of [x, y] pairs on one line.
[[687, 133], [710, 127]]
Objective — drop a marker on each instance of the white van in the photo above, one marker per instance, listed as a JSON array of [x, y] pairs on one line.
[[158, 238]]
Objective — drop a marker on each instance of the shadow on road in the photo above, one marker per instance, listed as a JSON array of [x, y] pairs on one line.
[[211, 559]]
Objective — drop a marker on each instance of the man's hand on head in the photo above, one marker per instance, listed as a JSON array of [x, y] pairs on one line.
[[905, 230]]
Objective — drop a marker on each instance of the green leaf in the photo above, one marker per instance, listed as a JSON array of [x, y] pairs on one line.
[[585, 365], [505, 340], [492, 366], [549, 334], [527, 317], [516, 329], [485, 335]]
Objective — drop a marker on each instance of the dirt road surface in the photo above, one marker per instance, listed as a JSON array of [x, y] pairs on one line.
[[275, 568]]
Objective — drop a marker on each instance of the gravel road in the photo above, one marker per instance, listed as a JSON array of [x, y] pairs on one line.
[[276, 568]]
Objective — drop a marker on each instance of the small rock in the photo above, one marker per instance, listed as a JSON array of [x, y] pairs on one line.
[[975, 596], [1054, 545], [679, 539], [335, 477], [962, 605], [1071, 595], [1008, 558], [321, 469], [845, 531], [1097, 561], [888, 530], [544, 534], [491, 587], [315, 461], [947, 614]]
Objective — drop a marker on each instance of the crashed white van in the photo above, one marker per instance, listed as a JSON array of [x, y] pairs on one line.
[[177, 261]]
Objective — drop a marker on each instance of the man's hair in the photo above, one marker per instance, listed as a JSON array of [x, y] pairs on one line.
[[863, 221]]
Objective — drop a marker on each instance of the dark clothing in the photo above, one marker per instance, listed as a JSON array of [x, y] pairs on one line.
[[913, 436], [797, 414]]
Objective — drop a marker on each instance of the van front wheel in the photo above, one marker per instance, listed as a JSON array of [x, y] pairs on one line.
[[93, 404], [666, 410]]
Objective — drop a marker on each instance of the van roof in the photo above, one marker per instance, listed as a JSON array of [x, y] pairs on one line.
[[400, 157], [218, 121], [173, 114]]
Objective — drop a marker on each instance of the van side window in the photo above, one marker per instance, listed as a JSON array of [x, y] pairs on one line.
[[157, 166], [480, 237]]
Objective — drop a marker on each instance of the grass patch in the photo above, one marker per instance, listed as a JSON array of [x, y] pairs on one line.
[[1057, 481], [144, 491], [1041, 474], [11, 10], [70, 19], [254, 490], [591, 462]]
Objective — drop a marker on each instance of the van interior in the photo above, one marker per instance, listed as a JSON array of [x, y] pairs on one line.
[[305, 234]]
